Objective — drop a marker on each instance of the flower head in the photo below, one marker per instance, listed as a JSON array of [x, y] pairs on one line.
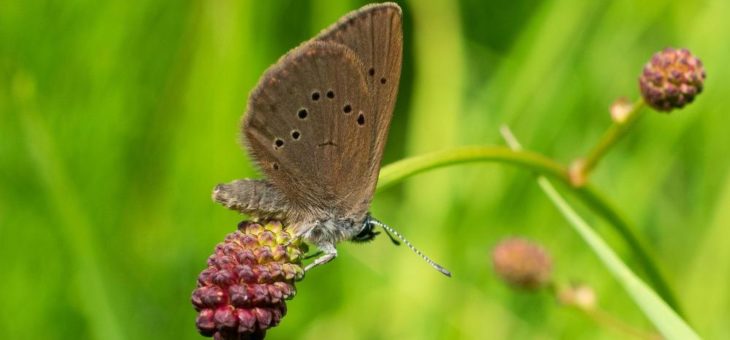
[[671, 79], [249, 276], [521, 263]]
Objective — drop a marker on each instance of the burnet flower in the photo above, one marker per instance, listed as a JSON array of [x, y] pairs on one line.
[[671, 79], [522, 264], [243, 290]]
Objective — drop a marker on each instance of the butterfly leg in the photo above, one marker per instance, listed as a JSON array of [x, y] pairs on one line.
[[313, 255], [329, 254]]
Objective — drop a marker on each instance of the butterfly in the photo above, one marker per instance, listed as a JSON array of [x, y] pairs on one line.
[[316, 124]]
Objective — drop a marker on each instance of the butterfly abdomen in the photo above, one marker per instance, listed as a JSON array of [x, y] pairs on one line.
[[257, 198]]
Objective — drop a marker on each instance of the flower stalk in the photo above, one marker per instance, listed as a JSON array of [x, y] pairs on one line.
[[582, 167], [396, 172]]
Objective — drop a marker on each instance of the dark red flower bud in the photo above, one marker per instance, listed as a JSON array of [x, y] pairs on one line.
[[225, 317], [671, 79], [205, 323], [522, 264]]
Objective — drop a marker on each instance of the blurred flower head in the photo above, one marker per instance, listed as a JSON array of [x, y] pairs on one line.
[[578, 295], [522, 264], [249, 276], [671, 79]]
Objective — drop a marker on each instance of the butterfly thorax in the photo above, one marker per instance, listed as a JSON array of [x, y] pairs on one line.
[[330, 231]]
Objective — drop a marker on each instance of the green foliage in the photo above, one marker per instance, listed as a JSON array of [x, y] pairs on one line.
[[118, 118]]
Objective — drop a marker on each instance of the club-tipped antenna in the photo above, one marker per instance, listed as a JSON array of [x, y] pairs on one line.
[[392, 231]]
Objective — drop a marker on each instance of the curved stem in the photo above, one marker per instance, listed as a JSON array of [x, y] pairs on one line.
[[395, 172], [591, 197]]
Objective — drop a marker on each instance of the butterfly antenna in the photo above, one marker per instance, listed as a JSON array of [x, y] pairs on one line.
[[392, 239], [392, 231]]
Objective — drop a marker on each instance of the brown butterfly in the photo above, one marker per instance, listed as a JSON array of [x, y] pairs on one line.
[[316, 124]]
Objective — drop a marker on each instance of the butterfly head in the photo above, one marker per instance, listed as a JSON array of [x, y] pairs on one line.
[[367, 233]]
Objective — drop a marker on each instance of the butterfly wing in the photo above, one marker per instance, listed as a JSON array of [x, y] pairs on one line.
[[307, 126], [374, 33], [318, 119]]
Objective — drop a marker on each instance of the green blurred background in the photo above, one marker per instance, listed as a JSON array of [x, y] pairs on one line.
[[117, 118]]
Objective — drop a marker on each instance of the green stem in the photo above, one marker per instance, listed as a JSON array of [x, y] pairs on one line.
[[400, 170], [583, 167]]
